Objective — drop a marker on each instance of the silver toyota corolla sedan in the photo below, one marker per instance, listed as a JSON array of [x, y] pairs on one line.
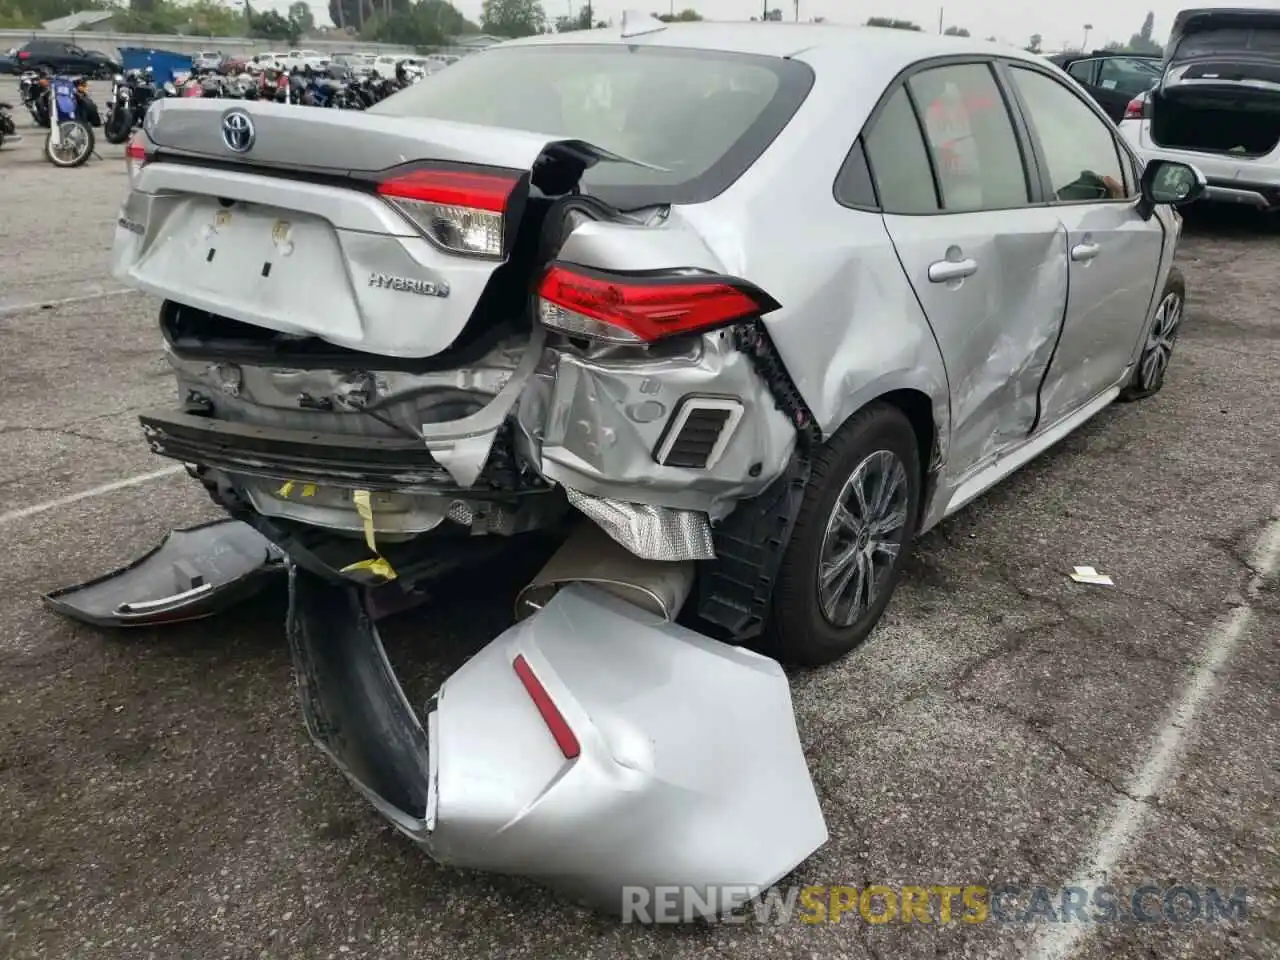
[[747, 306]]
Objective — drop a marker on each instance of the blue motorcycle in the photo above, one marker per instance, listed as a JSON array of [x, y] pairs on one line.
[[70, 142]]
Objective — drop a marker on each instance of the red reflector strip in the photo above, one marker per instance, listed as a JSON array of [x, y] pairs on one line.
[[651, 310], [551, 716], [135, 151], [452, 188]]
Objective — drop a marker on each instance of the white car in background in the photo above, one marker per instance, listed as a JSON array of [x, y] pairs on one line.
[[384, 65], [1217, 104]]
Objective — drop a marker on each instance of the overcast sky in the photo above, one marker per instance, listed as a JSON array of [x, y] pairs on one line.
[[1058, 23]]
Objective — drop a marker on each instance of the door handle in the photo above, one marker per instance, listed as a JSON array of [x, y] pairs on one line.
[[945, 270], [1082, 252]]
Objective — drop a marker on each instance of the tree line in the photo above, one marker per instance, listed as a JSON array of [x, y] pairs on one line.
[[420, 23]]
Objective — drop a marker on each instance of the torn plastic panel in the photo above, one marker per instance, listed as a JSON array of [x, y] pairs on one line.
[[597, 420], [572, 749], [192, 574]]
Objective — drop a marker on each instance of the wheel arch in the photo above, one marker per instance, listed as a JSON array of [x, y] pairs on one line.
[[929, 416]]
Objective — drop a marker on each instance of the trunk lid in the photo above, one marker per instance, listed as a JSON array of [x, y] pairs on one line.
[[335, 142], [271, 215], [1223, 55]]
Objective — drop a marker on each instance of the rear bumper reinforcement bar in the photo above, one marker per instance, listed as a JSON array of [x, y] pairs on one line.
[[375, 463]]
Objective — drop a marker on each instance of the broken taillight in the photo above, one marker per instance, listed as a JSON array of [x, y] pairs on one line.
[[135, 157], [462, 210], [643, 308]]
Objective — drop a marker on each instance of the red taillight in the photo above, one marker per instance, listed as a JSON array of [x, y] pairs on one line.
[[23, 55], [551, 716], [1136, 108], [479, 191], [642, 309], [463, 211], [135, 156]]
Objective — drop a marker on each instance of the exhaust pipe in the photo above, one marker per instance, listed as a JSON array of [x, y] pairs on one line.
[[591, 556]]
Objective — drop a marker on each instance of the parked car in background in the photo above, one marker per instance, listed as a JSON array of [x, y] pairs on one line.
[[1110, 77], [56, 56], [1217, 104], [297, 59], [384, 65], [207, 60]]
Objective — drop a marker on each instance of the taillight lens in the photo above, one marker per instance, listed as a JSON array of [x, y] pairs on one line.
[[135, 157], [619, 308], [1136, 108], [460, 210]]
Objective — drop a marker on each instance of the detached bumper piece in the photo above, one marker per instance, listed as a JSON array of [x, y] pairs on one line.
[[193, 574], [595, 747]]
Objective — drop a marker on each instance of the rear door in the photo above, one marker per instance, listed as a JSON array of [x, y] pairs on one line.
[[988, 267], [1113, 251]]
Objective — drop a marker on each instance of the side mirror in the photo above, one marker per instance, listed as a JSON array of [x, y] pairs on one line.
[[1171, 182]]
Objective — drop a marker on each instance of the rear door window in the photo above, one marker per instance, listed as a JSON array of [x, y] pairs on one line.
[[1128, 75], [899, 161], [1082, 70], [971, 138]]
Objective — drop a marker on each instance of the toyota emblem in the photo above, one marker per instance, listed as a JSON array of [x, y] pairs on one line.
[[237, 131]]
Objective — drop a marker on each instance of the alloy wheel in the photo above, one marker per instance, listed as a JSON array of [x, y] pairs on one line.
[[1159, 347], [863, 538]]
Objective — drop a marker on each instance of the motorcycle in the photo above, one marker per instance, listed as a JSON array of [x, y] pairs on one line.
[[74, 115], [8, 130], [131, 94], [32, 88]]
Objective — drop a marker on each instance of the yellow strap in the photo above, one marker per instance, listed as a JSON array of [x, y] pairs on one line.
[[285, 489], [309, 490], [378, 565], [364, 507]]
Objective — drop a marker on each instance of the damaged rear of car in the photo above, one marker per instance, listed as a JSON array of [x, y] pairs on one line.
[[406, 338], [409, 354], [1219, 103]]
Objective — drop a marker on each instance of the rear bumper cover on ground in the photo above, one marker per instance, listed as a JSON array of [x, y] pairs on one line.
[[685, 768], [595, 746]]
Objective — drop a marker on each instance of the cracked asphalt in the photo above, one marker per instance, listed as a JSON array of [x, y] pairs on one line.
[[159, 798]]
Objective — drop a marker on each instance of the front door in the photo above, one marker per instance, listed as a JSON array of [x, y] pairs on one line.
[[1113, 252]]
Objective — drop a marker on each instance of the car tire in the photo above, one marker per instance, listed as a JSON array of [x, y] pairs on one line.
[[807, 625], [1159, 341]]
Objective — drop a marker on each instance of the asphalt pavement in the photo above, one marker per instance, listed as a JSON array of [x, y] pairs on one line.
[[1004, 725]]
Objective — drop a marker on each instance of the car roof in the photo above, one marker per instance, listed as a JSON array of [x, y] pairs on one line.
[[789, 40]]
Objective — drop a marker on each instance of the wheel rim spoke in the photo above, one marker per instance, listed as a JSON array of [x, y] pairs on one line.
[[863, 539], [1159, 348]]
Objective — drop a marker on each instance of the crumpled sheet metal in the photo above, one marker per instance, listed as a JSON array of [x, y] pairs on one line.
[[653, 533]]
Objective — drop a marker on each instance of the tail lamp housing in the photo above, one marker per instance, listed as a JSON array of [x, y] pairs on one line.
[[469, 211], [136, 156], [1138, 108], [642, 308]]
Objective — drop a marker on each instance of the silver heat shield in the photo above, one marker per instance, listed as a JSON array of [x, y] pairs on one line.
[[651, 533]]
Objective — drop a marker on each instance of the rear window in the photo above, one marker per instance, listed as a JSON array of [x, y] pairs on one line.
[[1229, 40], [701, 116]]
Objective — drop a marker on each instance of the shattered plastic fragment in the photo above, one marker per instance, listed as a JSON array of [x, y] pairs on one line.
[[1090, 575]]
